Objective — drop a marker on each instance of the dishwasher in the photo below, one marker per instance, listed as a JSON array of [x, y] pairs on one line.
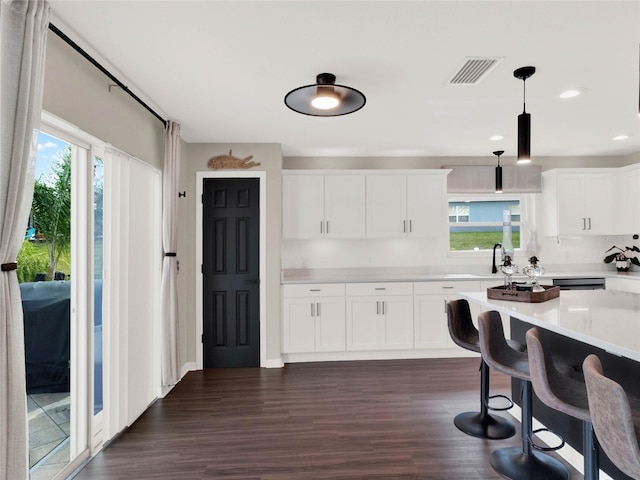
[[580, 283]]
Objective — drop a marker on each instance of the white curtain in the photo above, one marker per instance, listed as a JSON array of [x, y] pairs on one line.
[[23, 35], [169, 290]]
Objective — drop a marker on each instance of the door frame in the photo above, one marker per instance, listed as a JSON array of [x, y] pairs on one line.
[[262, 177]]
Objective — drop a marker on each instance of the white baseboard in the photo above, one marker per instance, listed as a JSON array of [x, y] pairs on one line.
[[273, 363], [377, 355]]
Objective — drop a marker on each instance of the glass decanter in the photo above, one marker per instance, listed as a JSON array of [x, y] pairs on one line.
[[534, 271]]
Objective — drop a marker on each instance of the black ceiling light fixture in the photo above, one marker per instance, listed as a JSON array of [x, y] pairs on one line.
[[324, 98], [497, 153], [524, 119]]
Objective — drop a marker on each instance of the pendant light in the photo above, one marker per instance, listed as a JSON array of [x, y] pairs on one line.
[[324, 98], [497, 153], [524, 119]]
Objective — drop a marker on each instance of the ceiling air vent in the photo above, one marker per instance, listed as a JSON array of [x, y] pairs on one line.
[[473, 70]]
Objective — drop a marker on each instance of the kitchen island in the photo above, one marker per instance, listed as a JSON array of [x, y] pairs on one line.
[[577, 323]]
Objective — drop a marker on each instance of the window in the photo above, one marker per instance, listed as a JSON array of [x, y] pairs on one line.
[[476, 224]]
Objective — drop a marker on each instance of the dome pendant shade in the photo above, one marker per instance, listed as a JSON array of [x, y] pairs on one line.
[[319, 99]]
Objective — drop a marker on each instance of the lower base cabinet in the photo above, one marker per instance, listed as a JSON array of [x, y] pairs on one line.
[[430, 311], [313, 318]]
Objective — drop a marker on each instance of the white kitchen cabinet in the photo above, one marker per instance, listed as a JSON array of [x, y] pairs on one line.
[[379, 316], [627, 206], [430, 314], [323, 206], [578, 201], [411, 205], [313, 318]]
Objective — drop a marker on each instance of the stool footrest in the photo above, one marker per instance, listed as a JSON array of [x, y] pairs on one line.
[[500, 409], [546, 449]]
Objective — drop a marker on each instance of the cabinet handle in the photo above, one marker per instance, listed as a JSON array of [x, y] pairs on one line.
[[377, 307], [447, 287], [383, 307], [317, 309], [410, 226], [313, 313], [445, 306], [327, 225], [584, 223], [380, 288], [315, 290], [321, 226], [589, 223], [404, 226]]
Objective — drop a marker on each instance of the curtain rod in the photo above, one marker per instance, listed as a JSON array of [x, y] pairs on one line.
[[78, 49]]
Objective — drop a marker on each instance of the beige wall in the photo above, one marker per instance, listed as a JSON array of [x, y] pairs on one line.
[[270, 158], [78, 92]]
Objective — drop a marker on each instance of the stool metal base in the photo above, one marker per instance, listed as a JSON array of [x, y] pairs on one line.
[[486, 426], [512, 463]]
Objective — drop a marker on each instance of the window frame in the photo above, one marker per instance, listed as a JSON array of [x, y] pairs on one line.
[[526, 222]]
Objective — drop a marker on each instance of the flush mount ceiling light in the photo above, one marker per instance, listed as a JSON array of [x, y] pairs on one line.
[[524, 119], [497, 153], [572, 93], [494, 138], [324, 98]]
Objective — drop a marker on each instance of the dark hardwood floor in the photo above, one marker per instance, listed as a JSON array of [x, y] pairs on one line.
[[337, 420]]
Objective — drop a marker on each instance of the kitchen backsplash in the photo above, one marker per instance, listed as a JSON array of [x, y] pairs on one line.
[[427, 252]]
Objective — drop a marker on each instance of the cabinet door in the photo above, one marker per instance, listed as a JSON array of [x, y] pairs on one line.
[[298, 325], [627, 209], [598, 199], [431, 329], [386, 205], [571, 217], [363, 315], [396, 322], [302, 206], [344, 206], [330, 324], [426, 200]]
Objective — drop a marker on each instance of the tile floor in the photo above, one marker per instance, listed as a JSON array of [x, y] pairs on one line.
[[49, 417]]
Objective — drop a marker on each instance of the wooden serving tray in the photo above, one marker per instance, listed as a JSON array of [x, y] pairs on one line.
[[501, 293]]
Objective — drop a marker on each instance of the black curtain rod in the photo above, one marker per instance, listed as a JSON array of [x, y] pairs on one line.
[[78, 49]]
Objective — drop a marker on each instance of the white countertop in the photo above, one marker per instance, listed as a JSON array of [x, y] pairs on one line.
[[607, 319], [419, 274]]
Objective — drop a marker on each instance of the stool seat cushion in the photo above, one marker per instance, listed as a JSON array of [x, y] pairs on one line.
[[497, 352], [615, 417], [558, 391]]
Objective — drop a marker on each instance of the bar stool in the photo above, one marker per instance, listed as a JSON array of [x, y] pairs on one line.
[[564, 394], [615, 421], [513, 462], [477, 424]]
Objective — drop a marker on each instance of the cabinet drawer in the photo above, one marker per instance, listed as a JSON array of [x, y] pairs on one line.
[[391, 288], [313, 290], [427, 288]]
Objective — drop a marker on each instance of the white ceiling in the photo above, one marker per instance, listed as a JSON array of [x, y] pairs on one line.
[[222, 69]]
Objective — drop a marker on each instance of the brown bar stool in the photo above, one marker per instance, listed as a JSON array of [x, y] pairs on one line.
[[615, 421], [478, 424], [513, 462], [564, 394]]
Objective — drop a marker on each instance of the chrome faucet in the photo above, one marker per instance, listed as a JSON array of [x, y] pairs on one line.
[[494, 268]]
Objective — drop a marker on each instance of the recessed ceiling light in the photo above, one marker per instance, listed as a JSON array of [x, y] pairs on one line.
[[620, 137], [496, 137], [574, 92]]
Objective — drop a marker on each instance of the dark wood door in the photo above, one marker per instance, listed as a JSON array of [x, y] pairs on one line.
[[231, 257]]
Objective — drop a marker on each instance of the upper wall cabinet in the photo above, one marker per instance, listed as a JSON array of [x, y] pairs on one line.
[[627, 206], [323, 206], [363, 203], [411, 205], [578, 201]]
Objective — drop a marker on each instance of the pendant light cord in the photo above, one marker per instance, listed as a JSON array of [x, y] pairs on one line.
[[524, 95]]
